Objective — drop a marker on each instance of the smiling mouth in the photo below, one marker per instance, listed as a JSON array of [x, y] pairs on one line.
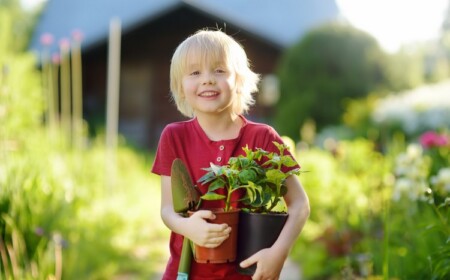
[[208, 93]]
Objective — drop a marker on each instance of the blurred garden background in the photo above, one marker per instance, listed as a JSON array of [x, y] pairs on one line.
[[371, 127]]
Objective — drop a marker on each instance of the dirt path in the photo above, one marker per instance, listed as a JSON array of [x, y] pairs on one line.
[[290, 271]]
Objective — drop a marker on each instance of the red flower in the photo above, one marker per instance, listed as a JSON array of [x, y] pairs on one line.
[[432, 139]]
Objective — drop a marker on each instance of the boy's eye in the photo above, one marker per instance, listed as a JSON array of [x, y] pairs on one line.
[[195, 73], [220, 70]]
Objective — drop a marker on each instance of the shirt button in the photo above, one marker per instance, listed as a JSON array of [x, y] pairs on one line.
[[219, 159], [221, 147]]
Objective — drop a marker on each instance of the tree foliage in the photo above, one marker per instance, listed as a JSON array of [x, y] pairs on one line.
[[331, 63], [19, 78], [445, 30], [16, 26]]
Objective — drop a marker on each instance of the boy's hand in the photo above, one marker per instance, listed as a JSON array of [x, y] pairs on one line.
[[206, 234], [268, 264]]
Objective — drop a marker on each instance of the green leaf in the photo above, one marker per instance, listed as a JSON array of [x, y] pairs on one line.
[[218, 170], [275, 176], [217, 184], [208, 177], [266, 197], [288, 161], [280, 147], [244, 162], [247, 175], [212, 196]]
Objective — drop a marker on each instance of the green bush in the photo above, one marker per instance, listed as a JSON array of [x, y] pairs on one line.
[[58, 215], [330, 63], [347, 190], [375, 215], [60, 218]]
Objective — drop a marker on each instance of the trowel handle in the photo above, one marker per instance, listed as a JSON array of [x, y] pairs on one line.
[[185, 260]]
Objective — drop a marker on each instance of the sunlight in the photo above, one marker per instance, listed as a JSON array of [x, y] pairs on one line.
[[394, 23], [31, 4]]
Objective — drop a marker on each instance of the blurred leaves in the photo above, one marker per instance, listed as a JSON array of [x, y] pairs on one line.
[[335, 64], [47, 192], [358, 228], [331, 62], [19, 79], [57, 218]]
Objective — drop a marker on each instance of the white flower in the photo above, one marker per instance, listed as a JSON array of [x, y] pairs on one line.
[[414, 151], [411, 169], [422, 108], [442, 181], [412, 164], [401, 187]]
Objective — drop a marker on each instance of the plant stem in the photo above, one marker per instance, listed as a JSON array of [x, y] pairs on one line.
[[4, 257], [77, 95], [442, 219], [386, 240], [228, 201]]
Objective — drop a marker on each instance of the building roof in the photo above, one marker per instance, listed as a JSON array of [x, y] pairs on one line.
[[281, 22]]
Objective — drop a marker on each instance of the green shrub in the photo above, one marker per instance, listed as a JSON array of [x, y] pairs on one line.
[[375, 215], [346, 190], [59, 219], [56, 213], [330, 63]]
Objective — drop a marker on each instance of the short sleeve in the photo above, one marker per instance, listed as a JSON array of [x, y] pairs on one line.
[[165, 154]]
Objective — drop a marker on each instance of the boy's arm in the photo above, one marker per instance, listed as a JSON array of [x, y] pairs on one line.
[[298, 208], [195, 227], [270, 261]]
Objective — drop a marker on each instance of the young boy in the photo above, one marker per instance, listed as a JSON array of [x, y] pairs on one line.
[[212, 84]]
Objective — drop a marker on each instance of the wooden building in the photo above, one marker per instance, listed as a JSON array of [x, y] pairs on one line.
[[151, 31]]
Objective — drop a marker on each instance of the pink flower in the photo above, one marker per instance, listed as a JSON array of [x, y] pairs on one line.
[[77, 35], [56, 59], [39, 231], [432, 139], [64, 44], [46, 39]]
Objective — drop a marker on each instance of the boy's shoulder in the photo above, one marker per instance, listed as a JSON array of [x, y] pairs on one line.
[[258, 126], [178, 129], [180, 125]]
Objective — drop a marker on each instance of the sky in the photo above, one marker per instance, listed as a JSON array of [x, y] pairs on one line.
[[396, 22], [391, 22]]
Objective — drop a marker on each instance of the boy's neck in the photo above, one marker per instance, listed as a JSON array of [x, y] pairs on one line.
[[221, 127]]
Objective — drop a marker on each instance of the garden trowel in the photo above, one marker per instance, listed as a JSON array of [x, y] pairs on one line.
[[185, 196]]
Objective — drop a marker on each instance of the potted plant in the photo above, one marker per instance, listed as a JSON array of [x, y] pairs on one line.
[[217, 180], [262, 177], [225, 252]]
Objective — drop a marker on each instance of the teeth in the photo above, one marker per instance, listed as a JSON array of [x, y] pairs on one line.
[[209, 93]]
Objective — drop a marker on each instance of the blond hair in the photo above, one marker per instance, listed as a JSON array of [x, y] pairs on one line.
[[214, 46]]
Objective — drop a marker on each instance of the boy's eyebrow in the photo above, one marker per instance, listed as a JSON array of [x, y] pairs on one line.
[[195, 65], [192, 66]]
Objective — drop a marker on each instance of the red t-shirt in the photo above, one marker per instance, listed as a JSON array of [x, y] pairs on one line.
[[187, 140]]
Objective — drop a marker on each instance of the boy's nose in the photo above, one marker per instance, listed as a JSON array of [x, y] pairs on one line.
[[209, 80]]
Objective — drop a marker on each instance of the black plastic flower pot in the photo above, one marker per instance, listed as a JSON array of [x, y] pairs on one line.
[[257, 231]]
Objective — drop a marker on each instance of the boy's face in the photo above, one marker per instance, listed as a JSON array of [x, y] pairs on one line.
[[209, 87]]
